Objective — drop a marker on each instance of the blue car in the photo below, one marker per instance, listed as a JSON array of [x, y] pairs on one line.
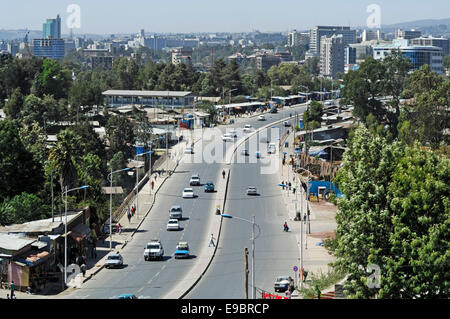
[[209, 187], [182, 250]]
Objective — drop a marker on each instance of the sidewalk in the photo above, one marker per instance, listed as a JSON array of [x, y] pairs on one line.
[[322, 219]]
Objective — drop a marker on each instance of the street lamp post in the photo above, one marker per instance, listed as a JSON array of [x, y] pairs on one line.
[[137, 181], [252, 222], [110, 202], [66, 191]]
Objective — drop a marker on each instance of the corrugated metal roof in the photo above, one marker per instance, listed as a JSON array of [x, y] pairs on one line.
[[147, 93], [14, 242]]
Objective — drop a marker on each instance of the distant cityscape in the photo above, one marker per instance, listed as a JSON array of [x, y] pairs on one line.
[[338, 49]]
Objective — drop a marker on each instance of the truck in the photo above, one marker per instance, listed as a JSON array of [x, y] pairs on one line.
[[153, 250]]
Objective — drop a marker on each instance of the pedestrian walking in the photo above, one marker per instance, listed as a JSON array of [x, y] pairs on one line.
[[129, 215], [223, 174], [282, 183], [12, 289], [211, 242], [293, 189], [156, 176], [153, 184], [83, 269], [119, 228], [289, 185]]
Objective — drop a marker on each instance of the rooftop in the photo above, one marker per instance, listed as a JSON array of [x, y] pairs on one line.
[[147, 93]]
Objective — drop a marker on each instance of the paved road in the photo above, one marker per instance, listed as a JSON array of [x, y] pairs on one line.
[[275, 251], [155, 279]]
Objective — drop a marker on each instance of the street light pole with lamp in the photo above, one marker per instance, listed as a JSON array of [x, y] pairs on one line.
[[253, 246], [66, 191], [110, 202], [137, 181]]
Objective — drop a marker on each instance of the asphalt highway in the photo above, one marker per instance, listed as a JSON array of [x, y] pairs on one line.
[[224, 278]]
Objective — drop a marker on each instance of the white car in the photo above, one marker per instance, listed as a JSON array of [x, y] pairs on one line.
[[195, 180], [176, 212], [188, 193], [153, 250], [261, 118], [248, 128], [251, 190], [114, 260], [173, 224], [272, 148], [233, 133], [189, 150], [227, 138]]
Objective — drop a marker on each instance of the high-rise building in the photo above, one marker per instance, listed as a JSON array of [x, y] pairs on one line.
[[368, 35], [316, 34], [332, 55], [49, 48], [407, 34], [349, 55], [52, 28], [435, 42], [418, 55], [296, 38]]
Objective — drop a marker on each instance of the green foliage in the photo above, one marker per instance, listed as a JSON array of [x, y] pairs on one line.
[[394, 214], [33, 138], [120, 134], [52, 80], [19, 171], [417, 263], [14, 105], [321, 281], [21, 209], [313, 115], [375, 79], [363, 218]]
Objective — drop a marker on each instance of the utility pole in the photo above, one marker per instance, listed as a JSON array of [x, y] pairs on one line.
[[246, 272]]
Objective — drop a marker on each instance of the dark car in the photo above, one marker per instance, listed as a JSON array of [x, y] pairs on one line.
[[209, 187]]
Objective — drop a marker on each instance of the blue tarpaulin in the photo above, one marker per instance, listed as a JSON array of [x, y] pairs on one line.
[[314, 188]]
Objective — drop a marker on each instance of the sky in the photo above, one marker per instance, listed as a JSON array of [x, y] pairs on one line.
[[184, 16]]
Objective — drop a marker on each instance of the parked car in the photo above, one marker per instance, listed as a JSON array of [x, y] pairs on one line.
[[173, 224], [153, 250], [176, 212], [195, 180], [188, 193], [251, 190], [283, 283], [209, 187], [114, 261], [181, 250]]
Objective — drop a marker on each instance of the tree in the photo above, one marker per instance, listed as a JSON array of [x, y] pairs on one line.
[[313, 116], [363, 218], [374, 79], [52, 80], [417, 263], [124, 74], [19, 171], [21, 209], [64, 155], [33, 137], [120, 134], [14, 105]]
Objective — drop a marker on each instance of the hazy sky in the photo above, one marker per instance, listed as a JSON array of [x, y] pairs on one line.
[[128, 16]]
